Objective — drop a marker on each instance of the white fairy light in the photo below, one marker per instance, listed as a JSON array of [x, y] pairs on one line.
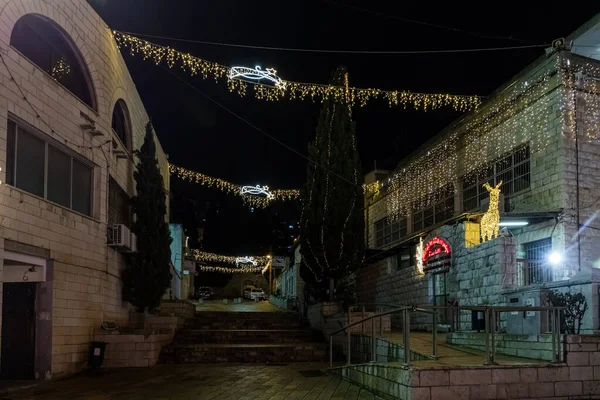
[[256, 191], [256, 74]]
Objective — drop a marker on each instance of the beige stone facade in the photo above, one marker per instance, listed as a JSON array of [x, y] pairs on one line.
[[74, 271], [524, 134]]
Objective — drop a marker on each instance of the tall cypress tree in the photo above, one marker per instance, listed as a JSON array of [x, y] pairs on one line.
[[332, 222], [148, 274]]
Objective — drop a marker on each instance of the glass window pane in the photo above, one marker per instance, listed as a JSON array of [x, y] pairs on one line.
[[59, 177], [30, 163], [82, 188], [10, 154]]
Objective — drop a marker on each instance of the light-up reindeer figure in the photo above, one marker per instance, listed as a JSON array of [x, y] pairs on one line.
[[491, 219]]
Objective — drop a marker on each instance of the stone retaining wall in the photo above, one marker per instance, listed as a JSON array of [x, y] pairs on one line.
[[577, 378], [135, 349], [538, 347]]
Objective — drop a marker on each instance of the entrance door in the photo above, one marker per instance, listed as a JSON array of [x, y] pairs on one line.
[[441, 296], [18, 331]]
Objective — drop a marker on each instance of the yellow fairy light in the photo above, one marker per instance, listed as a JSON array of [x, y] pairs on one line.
[[239, 262], [419, 256], [490, 222], [60, 69], [228, 270], [292, 90]]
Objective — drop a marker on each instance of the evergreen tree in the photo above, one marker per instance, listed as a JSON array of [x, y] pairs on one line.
[[148, 274], [332, 222]]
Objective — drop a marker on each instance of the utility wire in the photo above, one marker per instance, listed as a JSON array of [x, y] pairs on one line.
[[430, 24], [245, 46], [257, 128]]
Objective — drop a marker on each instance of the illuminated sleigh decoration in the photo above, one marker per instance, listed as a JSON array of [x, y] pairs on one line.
[[256, 74], [257, 191], [245, 261]]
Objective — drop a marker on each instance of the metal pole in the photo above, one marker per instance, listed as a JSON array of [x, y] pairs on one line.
[[406, 331], [349, 358], [553, 325], [493, 333], [331, 351], [487, 336], [373, 341], [434, 334]]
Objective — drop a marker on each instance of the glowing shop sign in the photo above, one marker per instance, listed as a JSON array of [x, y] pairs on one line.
[[256, 74], [436, 254], [257, 191], [245, 260]]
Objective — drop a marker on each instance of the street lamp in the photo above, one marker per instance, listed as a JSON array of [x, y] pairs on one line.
[[555, 258]]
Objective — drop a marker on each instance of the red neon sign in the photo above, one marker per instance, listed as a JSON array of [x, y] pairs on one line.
[[434, 247]]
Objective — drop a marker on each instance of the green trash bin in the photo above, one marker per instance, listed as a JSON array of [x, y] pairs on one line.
[[96, 356]]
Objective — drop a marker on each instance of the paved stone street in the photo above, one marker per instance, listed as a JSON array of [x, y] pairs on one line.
[[246, 306], [200, 382]]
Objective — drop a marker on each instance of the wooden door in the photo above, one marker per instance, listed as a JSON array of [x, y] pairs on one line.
[[18, 331]]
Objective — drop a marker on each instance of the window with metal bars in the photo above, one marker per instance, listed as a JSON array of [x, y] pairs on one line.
[[387, 232], [440, 209], [513, 170], [534, 269]]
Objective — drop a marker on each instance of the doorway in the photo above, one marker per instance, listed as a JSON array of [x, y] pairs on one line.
[[440, 297], [18, 331]]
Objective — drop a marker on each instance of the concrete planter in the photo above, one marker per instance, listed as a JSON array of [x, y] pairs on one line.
[[330, 309]]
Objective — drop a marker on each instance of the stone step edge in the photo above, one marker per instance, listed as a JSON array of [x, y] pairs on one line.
[[245, 330], [245, 345]]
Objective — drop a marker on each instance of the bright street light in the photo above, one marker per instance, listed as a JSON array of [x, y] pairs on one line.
[[513, 223], [555, 258]]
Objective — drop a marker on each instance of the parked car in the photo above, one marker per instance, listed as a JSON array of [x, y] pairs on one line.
[[205, 293], [253, 293]]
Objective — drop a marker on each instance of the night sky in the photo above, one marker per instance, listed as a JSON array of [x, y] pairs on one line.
[[199, 135]]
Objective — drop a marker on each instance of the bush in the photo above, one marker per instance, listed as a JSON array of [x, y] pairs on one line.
[[575, 307]]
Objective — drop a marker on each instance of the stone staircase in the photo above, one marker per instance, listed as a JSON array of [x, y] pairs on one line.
[[245, 337]]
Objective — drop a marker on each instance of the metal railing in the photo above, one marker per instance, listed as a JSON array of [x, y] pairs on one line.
[[491, 317]]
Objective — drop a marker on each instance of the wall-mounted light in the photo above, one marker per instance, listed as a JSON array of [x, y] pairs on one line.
[[513, 223], [555, 258]]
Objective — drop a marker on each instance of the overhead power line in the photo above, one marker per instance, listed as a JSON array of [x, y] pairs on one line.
[[425, 23], [332, 51]]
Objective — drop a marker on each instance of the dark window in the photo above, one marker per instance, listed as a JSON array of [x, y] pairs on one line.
[[46, 171], [406, 257], [59, 169], [387, 232], [121, 124], [513, 170], [534, 268], [119, 209], [441, 208], [45, 44]]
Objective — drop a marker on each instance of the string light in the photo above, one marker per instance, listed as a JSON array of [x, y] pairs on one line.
[[249, 196], [245, 260], [289, 89], [201, 256], [60, 69], [228, 270], [490, 222], [256, 74], [419, 256]]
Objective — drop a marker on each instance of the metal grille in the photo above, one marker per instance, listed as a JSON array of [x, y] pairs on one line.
[[534, 269], [513, 170]]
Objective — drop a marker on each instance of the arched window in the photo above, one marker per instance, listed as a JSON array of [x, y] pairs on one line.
[[49, 47], [121, 124]]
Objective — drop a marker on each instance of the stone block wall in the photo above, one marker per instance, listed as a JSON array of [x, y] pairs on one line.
[[133, 350], [538, 347], [86, 281]]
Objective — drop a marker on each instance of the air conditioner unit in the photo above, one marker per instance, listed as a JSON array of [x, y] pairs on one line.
[[133, 242], [121, 237]]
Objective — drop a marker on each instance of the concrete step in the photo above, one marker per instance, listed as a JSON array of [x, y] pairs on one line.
[[246, 336], [244, 353], [242, 323]]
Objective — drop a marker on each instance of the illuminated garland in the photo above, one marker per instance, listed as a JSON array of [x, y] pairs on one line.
[[227, 270], [60, 69], [521, 115], [250, 197], [257, 261], [288, 89]]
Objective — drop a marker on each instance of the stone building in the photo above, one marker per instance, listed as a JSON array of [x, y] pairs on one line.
[[539, 135], [70, 119]]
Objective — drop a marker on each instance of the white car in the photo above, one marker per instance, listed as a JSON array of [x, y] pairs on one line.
[[254, 293]]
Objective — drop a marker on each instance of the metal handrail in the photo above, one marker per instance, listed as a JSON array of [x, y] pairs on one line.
[[491, 315]]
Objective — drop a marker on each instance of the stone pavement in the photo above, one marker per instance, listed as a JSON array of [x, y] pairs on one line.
[[246, 306], [200, 382]]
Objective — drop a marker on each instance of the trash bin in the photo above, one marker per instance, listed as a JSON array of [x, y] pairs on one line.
[[96, 356]]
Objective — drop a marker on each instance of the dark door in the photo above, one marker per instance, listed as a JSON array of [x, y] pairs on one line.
[[441, 297], [18, 331]]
